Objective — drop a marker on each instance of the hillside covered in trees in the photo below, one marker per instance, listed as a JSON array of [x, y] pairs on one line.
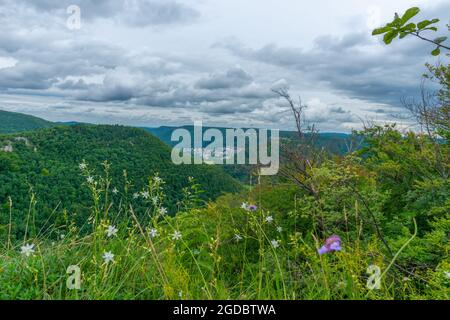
[[329, 142], [45, 164], [11, 122]]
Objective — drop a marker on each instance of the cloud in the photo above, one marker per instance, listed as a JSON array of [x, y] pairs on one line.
[[354, 64], [6, 62], [134, 13], [233, 78], [149, 61], [54, 62], [338, 110]]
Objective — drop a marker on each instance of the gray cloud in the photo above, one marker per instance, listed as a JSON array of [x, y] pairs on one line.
[[351, 64], [86, 69], [233, 78], [97, 74], [337, 110], [136, 13]]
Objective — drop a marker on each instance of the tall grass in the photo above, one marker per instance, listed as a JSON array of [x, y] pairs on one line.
[[201, 252]]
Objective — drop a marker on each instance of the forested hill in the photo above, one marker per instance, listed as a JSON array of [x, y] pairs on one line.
[[11, 122], [334, 143], [47, 161]]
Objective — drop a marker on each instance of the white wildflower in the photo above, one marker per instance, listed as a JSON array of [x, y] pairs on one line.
[[162, 211], [153, 233], [237, 237], [135, 195], [280, 229], [155, 200], [269, 219], [180, 294], [90, 180], [157, 179], [115, 191], [275, 243], [176, 235], [82, 166], [111, 231], [244, 206], [447, 274], [108, 257], [145, 194], [27, 249]]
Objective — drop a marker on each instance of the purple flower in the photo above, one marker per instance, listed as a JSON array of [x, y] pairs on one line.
[[333, 243], [252, 207]]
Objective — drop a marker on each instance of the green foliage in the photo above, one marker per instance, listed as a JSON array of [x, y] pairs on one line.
[[11, 122], [209, 261], [82, 196], [45, 163], [399, 27], [331, 143], [441, 75]]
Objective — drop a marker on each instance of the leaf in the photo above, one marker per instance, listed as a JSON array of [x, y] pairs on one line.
[[403, 34], [409, 27], [397, 23], [388, 37], [431, 28], [411, 12], [440, 39], [436, 51], [391, 24], [423, 24], [381, 30]]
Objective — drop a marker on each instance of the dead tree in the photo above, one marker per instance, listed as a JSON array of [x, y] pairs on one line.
[[300, 153], [424, 111]]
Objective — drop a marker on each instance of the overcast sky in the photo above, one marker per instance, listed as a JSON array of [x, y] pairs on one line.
[[164, 62]]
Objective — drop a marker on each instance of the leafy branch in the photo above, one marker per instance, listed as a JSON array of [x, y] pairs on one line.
[[400, 28]]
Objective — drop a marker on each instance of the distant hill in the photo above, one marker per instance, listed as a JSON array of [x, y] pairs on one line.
[[335, 143], [48, 161], [12, 122]]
